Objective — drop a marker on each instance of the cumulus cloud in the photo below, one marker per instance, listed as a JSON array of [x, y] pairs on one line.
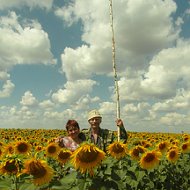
[[168, 71], [84, 102], [47, 104], [4, 75], [149, 28], [28, 99], [47, 4], [7, 89], [73, 91], [180, 102], [23, 42], [64, 115], [173, 119]]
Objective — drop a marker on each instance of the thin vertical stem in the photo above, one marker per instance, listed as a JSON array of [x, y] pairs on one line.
[[114, 67]]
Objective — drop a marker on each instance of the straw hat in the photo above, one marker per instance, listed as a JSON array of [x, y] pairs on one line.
[[93, 113]]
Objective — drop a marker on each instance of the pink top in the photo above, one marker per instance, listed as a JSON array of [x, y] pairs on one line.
[[67, 143]]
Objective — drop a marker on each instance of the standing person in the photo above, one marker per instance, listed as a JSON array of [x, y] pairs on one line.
[[102, 137], [74, 138]]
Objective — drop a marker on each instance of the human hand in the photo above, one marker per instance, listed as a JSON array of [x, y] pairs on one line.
[[119, 123]]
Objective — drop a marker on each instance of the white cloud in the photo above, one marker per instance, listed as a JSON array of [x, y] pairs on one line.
[[68, 113], [173, 119], [21, 3], [84, 102], [83, 61], [28, 99], [4, 75], [168, 71], [180, 102], [139, 111], [149, 28], [47, 104], [107, 108], [73, 91], [7, 89], [23, 43]]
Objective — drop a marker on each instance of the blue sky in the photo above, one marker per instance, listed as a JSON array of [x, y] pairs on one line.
[[56, 63]]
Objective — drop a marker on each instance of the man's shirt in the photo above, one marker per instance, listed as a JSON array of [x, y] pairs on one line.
[[105, 137]]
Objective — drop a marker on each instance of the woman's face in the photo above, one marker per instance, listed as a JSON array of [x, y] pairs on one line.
[[73, 131]]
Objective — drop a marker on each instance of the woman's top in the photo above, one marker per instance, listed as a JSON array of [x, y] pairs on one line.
[[67, 142]]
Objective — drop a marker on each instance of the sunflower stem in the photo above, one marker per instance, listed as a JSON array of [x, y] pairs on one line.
[[15, 182]]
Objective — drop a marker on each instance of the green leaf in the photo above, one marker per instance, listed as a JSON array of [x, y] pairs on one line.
[[81, 183], [108, 171], [140, 175], [115, 176], [69, 178], [6, 183], [133, 183], [27, 186]]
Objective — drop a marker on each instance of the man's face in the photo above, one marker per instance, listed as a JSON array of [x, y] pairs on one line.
[[95, 122]]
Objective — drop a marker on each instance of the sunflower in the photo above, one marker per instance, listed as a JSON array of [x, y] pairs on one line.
[[136, 151], [175, 143], [117, 150], [146, 143], [185, 147], [38, 148], [42, 173], [163, 146], [9, 167], [173, 155], [52, 150], [186, 137], [64, 155], [86, 157], [9, 149], [150, 159], [22, 147]]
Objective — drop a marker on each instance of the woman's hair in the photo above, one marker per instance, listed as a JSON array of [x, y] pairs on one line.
[[72, 122]]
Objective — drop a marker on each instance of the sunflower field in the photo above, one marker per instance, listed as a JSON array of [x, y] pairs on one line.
[[31, 160]]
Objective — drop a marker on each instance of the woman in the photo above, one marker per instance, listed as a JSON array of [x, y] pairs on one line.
[[74, 137]]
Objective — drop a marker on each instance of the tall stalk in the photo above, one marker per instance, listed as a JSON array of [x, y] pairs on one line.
[[114, 68]]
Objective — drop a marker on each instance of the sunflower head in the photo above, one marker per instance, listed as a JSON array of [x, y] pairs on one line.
[[22, 147], [185, 147], [150, 159], [10, 165], [186, 137], [136, 152], [38, 148], [40, 171], [64, 155], [9, 149], [52, 150], [163, 146], [173, 155], [87, 157], [117, 150]]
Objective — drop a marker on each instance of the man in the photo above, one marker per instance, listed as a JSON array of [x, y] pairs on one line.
[[102, 137]]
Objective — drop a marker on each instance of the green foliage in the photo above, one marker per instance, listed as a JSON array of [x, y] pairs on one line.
[[127, 175]]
